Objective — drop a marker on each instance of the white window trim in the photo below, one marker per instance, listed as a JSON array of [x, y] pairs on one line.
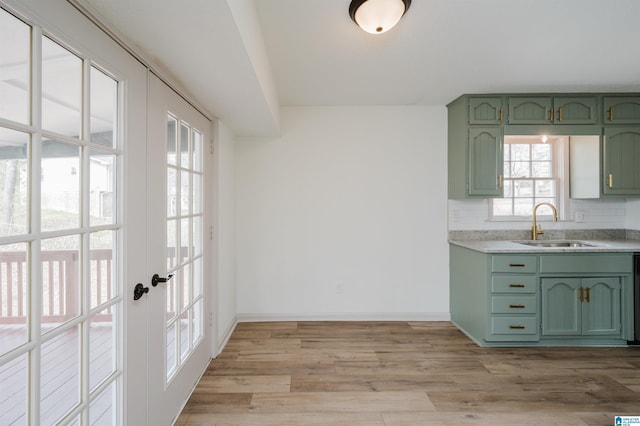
[[560, 167]]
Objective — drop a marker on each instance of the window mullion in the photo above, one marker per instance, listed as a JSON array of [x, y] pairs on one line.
[[35, 287]]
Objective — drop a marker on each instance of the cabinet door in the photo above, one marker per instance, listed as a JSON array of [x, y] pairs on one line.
[[485, 161], [575, 110], [601, 306], [530, 110], [621, 157], [561, 307], [486, 110], [621, 110]]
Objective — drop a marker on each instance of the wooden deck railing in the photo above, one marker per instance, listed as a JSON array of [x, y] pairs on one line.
[[60, 285]]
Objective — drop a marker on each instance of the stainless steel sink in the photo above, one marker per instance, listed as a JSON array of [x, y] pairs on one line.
[[556, 243]]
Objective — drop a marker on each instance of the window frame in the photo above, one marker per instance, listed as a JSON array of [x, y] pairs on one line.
[[560, 174]]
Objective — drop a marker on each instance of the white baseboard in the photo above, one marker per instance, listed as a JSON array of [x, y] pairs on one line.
[[225, 338], [370, 316]]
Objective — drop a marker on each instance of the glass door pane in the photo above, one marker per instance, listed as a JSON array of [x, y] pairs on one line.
[[184, 314], [60, 286]]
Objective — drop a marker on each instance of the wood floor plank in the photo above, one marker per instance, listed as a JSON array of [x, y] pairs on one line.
[[286, 419], [406, 373], [494, 419], [341, 402], [245, 384]]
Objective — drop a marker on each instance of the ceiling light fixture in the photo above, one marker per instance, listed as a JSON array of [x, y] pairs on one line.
[[377, 16]]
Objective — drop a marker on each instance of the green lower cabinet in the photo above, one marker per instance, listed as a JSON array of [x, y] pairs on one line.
[[578, 299], [581, 307]]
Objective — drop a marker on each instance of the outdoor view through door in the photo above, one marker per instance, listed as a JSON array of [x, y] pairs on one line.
[[60, 233], [184, 296]]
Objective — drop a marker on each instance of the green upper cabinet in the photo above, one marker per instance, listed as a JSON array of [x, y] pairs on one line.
[[575, 110], [530, 110], [553, 110], [475, 147], [485, 161], [621, 110], [621, 157], [486, 110]]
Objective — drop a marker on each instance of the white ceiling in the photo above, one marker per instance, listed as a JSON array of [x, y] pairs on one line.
[[241, 59]]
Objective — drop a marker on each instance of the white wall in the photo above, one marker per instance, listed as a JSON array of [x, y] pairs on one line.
[[633, 214], [225, 297], [344, 215]]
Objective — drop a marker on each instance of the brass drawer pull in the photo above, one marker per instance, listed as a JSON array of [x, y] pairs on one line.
[[517, 306], [610, 113], [500, 119], [516, 327], [516, 285], [517, 265]]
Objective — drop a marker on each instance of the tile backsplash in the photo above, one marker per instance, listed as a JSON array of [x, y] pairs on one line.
[[590, 214]]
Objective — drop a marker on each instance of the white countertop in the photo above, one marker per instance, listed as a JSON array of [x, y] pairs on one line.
[[507, 246]]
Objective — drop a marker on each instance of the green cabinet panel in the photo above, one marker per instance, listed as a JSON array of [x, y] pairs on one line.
[[621, 157], [621, 110], [485, 161], [486, 110], [601, 306], [530, 110], [561, 308], [575, 110], [553, 110], [581, 307]]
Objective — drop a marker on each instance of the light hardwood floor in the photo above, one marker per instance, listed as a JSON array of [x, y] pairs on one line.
[[406, 373]]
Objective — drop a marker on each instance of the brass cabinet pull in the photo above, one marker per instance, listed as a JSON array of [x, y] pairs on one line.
[[517, 265], [500, 114], [560, 115], [516, 285], [551, 115], [516, 327], [581, 294], [588, 298], [500, 181], [517, 306], [610, 180], [610, 113]]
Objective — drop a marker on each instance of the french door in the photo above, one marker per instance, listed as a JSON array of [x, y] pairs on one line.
[[178, 214], [62, 215], [102, 170]]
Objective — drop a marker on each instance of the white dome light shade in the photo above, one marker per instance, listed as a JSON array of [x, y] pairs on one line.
[[377, 16]]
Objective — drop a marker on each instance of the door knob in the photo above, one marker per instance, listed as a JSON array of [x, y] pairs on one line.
[[156, 279], [139, 291]]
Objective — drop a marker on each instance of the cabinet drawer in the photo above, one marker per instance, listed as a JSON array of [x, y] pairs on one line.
[[586, 264], [513, 304], [513, 284], [514, 325], [517, 264]]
